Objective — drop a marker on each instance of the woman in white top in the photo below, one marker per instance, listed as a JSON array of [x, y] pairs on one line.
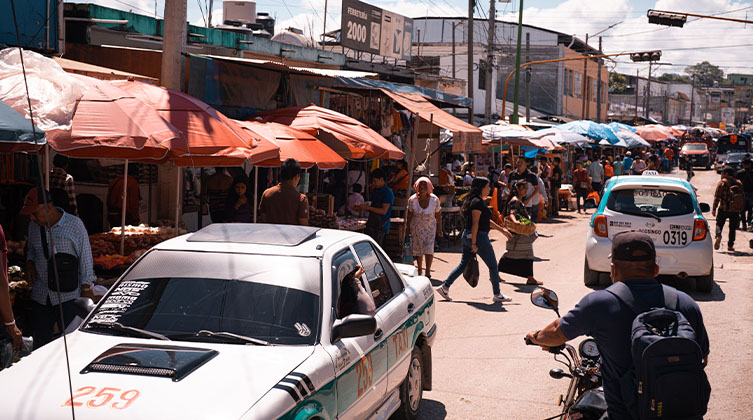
[[425, 222]]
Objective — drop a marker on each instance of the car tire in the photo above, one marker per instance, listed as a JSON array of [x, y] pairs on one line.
[[590, 277], [705, 283], [412, 388]]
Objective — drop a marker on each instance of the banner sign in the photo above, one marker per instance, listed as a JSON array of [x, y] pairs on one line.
[[370, 29], [464, 142]]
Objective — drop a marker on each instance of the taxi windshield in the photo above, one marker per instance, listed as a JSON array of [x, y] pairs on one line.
[[192, 297], [656, 202], [694, 147]]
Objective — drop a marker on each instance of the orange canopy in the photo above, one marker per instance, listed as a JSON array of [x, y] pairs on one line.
[[296, 144], [653, 132], [347, 136], [209, 137], [111, 123], [466, 137]]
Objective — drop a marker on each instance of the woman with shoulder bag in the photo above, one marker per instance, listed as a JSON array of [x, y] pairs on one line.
[[475, 240], [581, 183], [518, 259]]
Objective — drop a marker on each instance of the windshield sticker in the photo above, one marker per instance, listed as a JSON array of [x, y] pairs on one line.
[[342, 357], [119, 300], [303, 329]]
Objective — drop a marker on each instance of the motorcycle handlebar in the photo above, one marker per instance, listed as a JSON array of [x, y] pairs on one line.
[[554, 350]]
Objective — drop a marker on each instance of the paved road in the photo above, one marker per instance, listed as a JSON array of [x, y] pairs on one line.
[[482, 369]]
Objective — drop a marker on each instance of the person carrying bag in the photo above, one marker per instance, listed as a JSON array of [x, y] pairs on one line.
[[65, 265]]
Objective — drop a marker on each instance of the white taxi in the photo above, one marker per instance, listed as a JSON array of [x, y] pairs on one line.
[[666, 209], [240, 322]]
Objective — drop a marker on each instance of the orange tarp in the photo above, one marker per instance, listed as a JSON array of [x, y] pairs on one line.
[[347, 136], [466, 137], [296, 144]]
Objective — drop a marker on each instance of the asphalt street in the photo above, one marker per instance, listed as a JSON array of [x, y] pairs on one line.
[[483, 370]]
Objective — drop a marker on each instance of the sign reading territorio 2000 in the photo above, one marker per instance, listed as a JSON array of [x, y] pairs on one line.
[[370, 29]]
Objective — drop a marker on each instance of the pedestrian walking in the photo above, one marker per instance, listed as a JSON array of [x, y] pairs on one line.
[[581, 185], [596, 173], [745, 175], [689, 173], [618, 166], [10, 336], [609, 320], [518, 257], [639, 165], [532, 183], [627, 163], [555, 181], [55, 234], [283, 204], [216, 190], [62, 186], [729, 200], [425, 222], [475, 240]]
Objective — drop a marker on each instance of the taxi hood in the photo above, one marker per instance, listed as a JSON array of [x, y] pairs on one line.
[[125, 378]]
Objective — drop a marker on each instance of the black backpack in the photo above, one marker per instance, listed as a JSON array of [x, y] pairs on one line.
[[667, 380]]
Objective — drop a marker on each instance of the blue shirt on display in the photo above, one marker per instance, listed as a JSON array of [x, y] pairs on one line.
[[609, 321]]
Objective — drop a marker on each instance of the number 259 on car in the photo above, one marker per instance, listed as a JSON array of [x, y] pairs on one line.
[[102, 397]]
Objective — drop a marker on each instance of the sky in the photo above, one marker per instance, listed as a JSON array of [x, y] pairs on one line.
[[726, 44]]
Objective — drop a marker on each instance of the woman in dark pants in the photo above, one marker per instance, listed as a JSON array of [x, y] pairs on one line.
[[518, 258], [478, 223], [581, 184]]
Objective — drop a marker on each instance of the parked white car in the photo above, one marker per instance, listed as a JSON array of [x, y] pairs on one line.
[[238, 321], [666, 209]]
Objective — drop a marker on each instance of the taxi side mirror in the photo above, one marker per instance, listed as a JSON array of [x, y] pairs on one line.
[[705, 208], [83, 306], [353, 326]]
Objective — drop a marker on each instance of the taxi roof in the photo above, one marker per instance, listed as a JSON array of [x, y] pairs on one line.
[[643, 181], [259, 238]]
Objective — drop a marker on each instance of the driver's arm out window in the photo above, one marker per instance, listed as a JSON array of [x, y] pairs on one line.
[[348, 299], [383, 280]]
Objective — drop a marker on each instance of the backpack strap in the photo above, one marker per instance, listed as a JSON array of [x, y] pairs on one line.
[[623, 293], [670, 297]]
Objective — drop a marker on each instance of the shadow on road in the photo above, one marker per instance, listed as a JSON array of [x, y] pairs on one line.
[[716, 295], [522, 287], [488, 307], [431, 409]]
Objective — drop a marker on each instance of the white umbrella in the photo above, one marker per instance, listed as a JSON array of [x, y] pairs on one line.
[[628, 140], [563, 136]]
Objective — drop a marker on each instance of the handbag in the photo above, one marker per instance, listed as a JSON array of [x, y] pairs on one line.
[[470, 274], [67, 268]]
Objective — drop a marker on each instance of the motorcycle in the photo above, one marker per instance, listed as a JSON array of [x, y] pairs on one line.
[[585, 396]]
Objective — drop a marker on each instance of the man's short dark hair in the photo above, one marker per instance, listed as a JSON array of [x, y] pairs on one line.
[[60, 161], [357, 188], [379, 173], [289, 169], [635, 269], [729, 171], [557, 159]]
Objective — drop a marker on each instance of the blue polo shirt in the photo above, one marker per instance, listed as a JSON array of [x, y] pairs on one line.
[[609, 321], [627, 162], [378, 198]]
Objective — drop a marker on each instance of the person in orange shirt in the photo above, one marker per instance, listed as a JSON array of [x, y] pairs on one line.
[[608, 169], [400, 182]]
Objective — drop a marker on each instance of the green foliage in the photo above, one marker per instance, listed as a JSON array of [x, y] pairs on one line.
[[705, 74], [617, 83], [674, 77]]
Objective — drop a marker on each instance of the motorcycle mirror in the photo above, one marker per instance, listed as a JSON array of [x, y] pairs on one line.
[[558, 373], [545, 298]]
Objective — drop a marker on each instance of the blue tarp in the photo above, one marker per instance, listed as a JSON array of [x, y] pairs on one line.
[[15, 131], [433, 94]]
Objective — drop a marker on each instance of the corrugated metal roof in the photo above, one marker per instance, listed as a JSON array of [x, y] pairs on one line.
[[276, 65]]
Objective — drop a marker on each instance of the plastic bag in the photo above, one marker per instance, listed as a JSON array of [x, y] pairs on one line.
[[53, 92], [471, 274]]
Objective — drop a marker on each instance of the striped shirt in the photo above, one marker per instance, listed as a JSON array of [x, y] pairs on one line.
[[64, 181], [70, 237]]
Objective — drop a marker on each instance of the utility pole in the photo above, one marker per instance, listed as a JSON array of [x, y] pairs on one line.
[[648, 91], [598, 89], [528, 78], [324, 26], [584, 103], [637, 83], [453, 51], [173, 71], [488, 85], [692, 99], [209, 14], [514, 116], [471, 6]]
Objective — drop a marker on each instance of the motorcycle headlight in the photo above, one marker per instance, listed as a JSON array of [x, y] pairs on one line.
[[588, 349]]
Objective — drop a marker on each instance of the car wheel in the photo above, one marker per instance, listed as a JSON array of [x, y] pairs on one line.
[[705, 283], [590, 277], [412, 389]]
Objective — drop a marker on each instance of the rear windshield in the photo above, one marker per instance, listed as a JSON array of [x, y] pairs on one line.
[[657, 202], [694, 147]]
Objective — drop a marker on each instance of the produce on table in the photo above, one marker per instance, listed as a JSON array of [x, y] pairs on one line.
[[138, 239], [320, 218]]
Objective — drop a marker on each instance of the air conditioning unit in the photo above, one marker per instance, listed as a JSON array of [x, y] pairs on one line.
[[238, 12]]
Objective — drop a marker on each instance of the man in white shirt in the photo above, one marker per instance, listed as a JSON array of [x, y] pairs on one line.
[[596, 172]]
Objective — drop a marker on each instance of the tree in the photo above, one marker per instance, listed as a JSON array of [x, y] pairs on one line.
[[705, 74], [673, 77], [617, 83]]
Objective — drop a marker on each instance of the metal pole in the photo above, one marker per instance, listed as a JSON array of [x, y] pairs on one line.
[[528, 78], [174, 45], [324, 30], [692, 98], [454, 112], [123, 209], [637, 83], [598, 89], [648, 90], [514, 116], [584, 102], [48, 151], [178, 187], [471, 6], [489, 69]]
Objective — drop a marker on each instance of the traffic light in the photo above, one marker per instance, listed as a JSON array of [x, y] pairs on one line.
[[666, 19], [646, 56]]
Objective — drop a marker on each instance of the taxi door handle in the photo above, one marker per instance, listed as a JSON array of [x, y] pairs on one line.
[[411, 307], [378, 334]]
